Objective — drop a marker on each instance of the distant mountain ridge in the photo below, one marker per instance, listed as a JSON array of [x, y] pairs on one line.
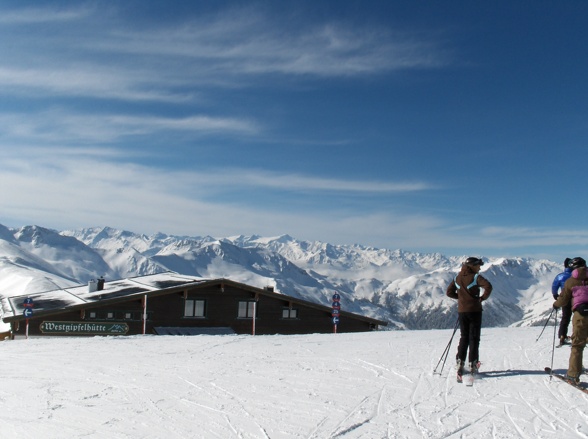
[[404, 288]]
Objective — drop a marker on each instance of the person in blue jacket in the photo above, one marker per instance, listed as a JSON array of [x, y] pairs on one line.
[[566, 311]]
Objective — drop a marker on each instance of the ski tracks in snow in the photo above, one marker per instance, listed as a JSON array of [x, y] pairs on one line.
[[412, 403], [343, 386]]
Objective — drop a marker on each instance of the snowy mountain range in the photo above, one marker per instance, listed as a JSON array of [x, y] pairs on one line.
[[403, 288]]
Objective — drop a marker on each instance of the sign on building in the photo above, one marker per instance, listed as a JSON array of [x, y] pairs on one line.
[[84, 328]]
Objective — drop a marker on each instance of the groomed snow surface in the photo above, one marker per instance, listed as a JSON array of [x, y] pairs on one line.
[[365, 385]]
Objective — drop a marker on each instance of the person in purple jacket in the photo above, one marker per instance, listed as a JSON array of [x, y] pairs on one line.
[[566, 311], [576, 292]]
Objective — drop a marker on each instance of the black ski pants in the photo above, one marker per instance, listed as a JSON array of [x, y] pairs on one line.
[[566, 317], [470, 325]]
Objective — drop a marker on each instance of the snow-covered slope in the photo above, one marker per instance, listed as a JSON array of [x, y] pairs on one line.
[[24, 269], [65, 254], [347, 386], [406, 289]]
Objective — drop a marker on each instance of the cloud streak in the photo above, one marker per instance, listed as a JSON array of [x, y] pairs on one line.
[[253, 46], [43, 15], [299, 182], [61, 126], [88, 81]]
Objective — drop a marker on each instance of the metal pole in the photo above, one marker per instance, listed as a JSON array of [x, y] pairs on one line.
[[144, 314], [548, 318], [254, 312], [446, 351], [553, 347]]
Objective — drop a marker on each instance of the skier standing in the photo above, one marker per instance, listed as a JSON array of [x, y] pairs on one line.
[[566, 311], [466, 289], [575, 292]]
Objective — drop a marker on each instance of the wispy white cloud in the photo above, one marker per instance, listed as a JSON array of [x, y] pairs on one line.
[[67, 162], [36, 15], [190, 123], [62, 126], [520, 236], [300, 182], [249, 42], [94, 81]]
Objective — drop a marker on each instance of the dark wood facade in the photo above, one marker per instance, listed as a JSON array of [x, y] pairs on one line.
[[217, 303]]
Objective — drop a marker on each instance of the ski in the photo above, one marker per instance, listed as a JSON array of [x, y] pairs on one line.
[[469, 379], [565, 380]]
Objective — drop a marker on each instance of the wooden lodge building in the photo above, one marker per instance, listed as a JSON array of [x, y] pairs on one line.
[[173, 304]]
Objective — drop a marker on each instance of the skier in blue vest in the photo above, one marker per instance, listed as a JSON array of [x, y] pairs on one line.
[[566, 311], [466, 289]]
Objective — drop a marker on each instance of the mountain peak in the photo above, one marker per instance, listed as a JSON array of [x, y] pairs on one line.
[[6, 234]]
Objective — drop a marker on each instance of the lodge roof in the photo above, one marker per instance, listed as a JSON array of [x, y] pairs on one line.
[[79, 297]]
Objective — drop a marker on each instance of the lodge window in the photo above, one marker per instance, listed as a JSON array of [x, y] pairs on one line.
[[246, 309], [289, 313], [194, 308], [118, 315]]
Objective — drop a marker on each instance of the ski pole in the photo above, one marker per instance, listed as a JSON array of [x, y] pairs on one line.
[[545, 325], [446, 351], [553, 347]]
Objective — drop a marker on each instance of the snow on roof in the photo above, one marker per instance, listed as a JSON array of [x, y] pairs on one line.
[[65, 298]]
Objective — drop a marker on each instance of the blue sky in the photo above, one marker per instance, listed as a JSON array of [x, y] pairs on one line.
[[452, 127]]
